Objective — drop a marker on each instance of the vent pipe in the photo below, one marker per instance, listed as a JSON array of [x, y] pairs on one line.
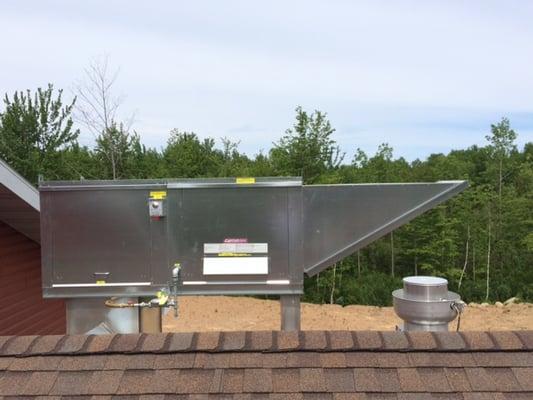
[[425, 304]]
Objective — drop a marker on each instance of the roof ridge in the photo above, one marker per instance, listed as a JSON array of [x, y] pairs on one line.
[[269, 341]]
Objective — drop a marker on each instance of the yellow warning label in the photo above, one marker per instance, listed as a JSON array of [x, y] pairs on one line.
[[158, 195], [100, 283], [245, 181]]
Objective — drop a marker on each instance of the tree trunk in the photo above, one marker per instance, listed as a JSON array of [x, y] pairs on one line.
[[488, 263], [392, 253], [333, 285], [416, 258], [473, 262], [466, 256], [500, 183]]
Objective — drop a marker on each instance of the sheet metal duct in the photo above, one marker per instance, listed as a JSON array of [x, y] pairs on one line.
[[230, 236], [341, 219]]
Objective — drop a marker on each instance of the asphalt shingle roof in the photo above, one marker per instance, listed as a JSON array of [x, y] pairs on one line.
[[270, 365]]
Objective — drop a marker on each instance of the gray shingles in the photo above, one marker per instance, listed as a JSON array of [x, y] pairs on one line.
[[374, 366], [333, 360], [180, 341], [260, 340], [232, 341], [154, 342], [395, 340], [303, 359], [527, 338], [40, 383], [339, 380], [207, 340], [286, 380], [365, 380], [232, 381], [125, 342], [479, 380], [434, 379], [506, 340], [341, 340], [524, 377], [72, 344], [457, 379], [368, 340], [71, 383], [312, 380], [421, 340], [257, 380], [195, 381], [388, 377], [478, 340], [18, 345], [99, 343], [104, 382], [504, 379], [45, 344], [449, 341], [410, 380], [314, 340], [287, 340], [13, 383]]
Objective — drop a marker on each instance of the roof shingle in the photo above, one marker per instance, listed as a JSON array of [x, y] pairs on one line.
[[270, 365]]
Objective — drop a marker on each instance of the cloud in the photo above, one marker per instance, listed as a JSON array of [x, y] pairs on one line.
[[422, 76]]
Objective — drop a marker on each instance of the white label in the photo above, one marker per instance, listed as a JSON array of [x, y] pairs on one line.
[[235, 265], [252, 248]]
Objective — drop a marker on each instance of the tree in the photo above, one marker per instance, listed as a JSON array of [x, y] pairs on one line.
[[34, 131], [115, 150], [307, 149], [188, 157], [502, 143], [97, 109]]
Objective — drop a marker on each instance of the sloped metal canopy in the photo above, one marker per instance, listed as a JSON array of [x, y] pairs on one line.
[[341, 219]]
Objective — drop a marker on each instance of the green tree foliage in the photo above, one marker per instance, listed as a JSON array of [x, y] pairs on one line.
[[307, 149], [481, 240], [35, 131], [116, 152]]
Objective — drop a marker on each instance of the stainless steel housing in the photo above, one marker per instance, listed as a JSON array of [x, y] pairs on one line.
[[230, 236], [425, 304]]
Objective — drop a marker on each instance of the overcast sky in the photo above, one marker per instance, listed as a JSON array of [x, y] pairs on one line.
[[424, 76]]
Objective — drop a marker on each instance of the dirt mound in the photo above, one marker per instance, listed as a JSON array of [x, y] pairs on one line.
[[222, 313]]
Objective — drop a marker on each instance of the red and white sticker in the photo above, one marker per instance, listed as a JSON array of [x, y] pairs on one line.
[[236, 240]]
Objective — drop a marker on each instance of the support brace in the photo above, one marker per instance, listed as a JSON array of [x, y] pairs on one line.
[[290, 312]]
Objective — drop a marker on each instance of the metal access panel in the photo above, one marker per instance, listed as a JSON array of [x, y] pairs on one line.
[[230, 236], [237, 238], [99, 238]]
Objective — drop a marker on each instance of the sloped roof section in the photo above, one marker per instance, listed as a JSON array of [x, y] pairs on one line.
[[19, 203], [271, 365]]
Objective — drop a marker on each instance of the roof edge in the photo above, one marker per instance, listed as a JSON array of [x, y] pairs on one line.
[[18, 185]]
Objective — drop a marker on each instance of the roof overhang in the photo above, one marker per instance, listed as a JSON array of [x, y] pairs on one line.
[[19, 203]]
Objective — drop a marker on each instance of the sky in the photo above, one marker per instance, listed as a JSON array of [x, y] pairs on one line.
[[423, 76]]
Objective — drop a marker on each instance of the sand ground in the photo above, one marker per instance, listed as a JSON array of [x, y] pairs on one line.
[[223, 313]]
